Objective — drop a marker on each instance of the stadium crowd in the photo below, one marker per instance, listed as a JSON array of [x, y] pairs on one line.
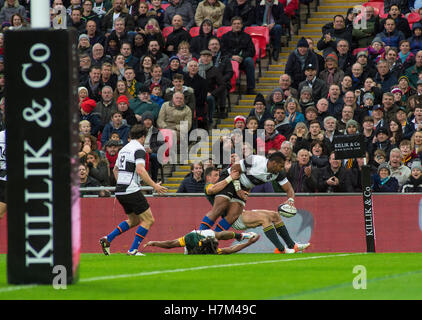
[[160, 63]]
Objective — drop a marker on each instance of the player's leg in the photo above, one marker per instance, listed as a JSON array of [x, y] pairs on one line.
[[234, 210], [263, 218], [221, 203], [147, 220]]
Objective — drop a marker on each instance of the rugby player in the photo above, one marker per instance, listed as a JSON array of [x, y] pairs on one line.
[[129, 172], [270, 221], [206, 242]]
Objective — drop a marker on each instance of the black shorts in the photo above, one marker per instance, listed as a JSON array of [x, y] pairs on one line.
[[3, 184], [229, 192], [134, 202]]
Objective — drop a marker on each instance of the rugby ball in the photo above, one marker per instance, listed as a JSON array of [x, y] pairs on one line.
[[286, 210]]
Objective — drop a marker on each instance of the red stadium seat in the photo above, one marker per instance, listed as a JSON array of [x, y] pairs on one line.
[[167, 31], [194, 31], [236, 74], [165, 6], [259, 31], [222, 30], [378, 7], [413, 17]]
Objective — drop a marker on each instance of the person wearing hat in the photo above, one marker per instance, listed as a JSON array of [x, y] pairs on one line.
[[398, 94], [318, 87], [260, 111], [240, 122], [305, 98], [332, 74], [298, 60], [383, 181], [87, 113], [173, 68], [216, 87], [116, 124], [331, 35], [127, 113], [405, 87], [416, 38], [238, 45], [378, 115], [381, 142], [84, 46], [142, 103], [414, 184]]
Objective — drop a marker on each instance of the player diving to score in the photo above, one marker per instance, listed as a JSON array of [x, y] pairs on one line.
[[206, 242], [254, 170], [270, 221]]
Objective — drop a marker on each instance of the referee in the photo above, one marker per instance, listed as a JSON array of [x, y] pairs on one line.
[[129, 172]]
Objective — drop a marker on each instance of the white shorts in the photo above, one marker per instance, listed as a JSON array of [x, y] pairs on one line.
[[238, 224]]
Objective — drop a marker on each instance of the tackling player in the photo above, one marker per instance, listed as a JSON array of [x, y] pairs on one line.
[[129, 171], [254, 170], [206, 242], [270, 221]]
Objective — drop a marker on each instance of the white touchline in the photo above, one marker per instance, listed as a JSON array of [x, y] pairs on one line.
[[143, 274]]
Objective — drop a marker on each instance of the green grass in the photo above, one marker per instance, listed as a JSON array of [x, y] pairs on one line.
[[234, 277]]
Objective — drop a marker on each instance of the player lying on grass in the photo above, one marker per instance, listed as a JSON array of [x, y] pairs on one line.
[[206, 242], [271, 222]]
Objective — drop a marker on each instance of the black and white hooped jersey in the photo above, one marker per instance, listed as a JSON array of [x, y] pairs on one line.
[[3, 171], [254, 172], [128, 180]]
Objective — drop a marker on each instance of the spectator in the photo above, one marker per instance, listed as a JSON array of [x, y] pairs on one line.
[[401, 23], [140, 46], [86, 181], [141, 17], [315, 133], [238, 45], [188, 92], [301, 174], [367, 64], [275, 100], [142, 103], [87, 113], [395, 132], [216, 84], [319, 158], [347, 114], [319, 87], [131, 83], [331, 36], [153, 32], [391, 36], [88, 14], [384, 78], [285, 85], [381, 141], [157, 11], [117, 124], [173, 112], [194, 182], [322, 110], [357, 76], [239, 8], [93, 83], [126, 51], [345, 57], [368, 131], [397, 169], [200, 42], [10, 8], [107, 77], [365, 31], [153, 142], [98, 56], [414, 184], [173, 68], [177, 35], [76, 20], [334, 177], [109, 20], [259, 110], [184, 54], [182, 8], [92, 30], [239, 122], [199, 85], [330, 130], [212, 10], [406, 88], [335, 101], [270, 13], [332, 74], [98, 168], [144, 70], [298, 60], [416, 38], [310, 115], [273, 139], [106, 106], [157, 78], [112, 148], [293, 111], [416, 143], [383, 181], [128, 114], [282, 124]]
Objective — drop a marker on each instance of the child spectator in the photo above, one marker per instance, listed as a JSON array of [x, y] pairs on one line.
[[156, 94], [383, 182]]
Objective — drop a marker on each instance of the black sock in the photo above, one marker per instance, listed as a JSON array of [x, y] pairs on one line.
[[272, 235], [284, 234]]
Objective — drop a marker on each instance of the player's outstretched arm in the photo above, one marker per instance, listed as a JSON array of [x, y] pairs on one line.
[[167, 244], [287, 187], [140, 169], [238, 247]]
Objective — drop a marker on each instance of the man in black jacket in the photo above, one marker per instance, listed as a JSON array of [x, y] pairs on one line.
[[177, 36], [334, 178], [331, 36], [240, 8], [238, 45], [117, 10]]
